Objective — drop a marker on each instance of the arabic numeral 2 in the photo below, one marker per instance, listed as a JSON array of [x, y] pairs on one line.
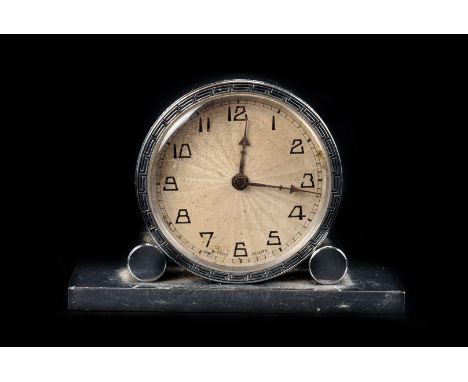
[[297, 147], [239, 114]]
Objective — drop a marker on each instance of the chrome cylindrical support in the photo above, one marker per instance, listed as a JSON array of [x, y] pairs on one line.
[[146, 262], [328, 265]]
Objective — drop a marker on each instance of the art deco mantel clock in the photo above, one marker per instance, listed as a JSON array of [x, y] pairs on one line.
[[239, 181]]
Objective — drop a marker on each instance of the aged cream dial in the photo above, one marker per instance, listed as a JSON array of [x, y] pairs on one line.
[[238, 185]]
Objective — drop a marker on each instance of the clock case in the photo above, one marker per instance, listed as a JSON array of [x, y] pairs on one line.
[[203, 94]]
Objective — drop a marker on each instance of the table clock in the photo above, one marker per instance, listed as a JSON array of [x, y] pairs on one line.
[[238, 182]]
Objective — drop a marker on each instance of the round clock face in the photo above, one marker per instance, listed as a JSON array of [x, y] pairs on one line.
[[237, 186]]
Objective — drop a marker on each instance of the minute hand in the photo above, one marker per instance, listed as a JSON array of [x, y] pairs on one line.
[[291, 189]]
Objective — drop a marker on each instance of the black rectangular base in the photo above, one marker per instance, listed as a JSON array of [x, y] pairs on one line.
[[364, 290]]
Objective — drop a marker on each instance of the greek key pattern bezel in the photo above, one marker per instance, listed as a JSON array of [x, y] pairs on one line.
[[200, 95]]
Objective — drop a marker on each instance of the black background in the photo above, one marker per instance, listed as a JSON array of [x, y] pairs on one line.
[[80, 108]]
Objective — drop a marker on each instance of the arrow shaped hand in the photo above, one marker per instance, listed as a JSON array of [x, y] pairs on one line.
[[244, 142], [291, 189]]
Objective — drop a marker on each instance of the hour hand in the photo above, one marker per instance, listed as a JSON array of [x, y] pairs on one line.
[[244, 142], [291, 189]]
